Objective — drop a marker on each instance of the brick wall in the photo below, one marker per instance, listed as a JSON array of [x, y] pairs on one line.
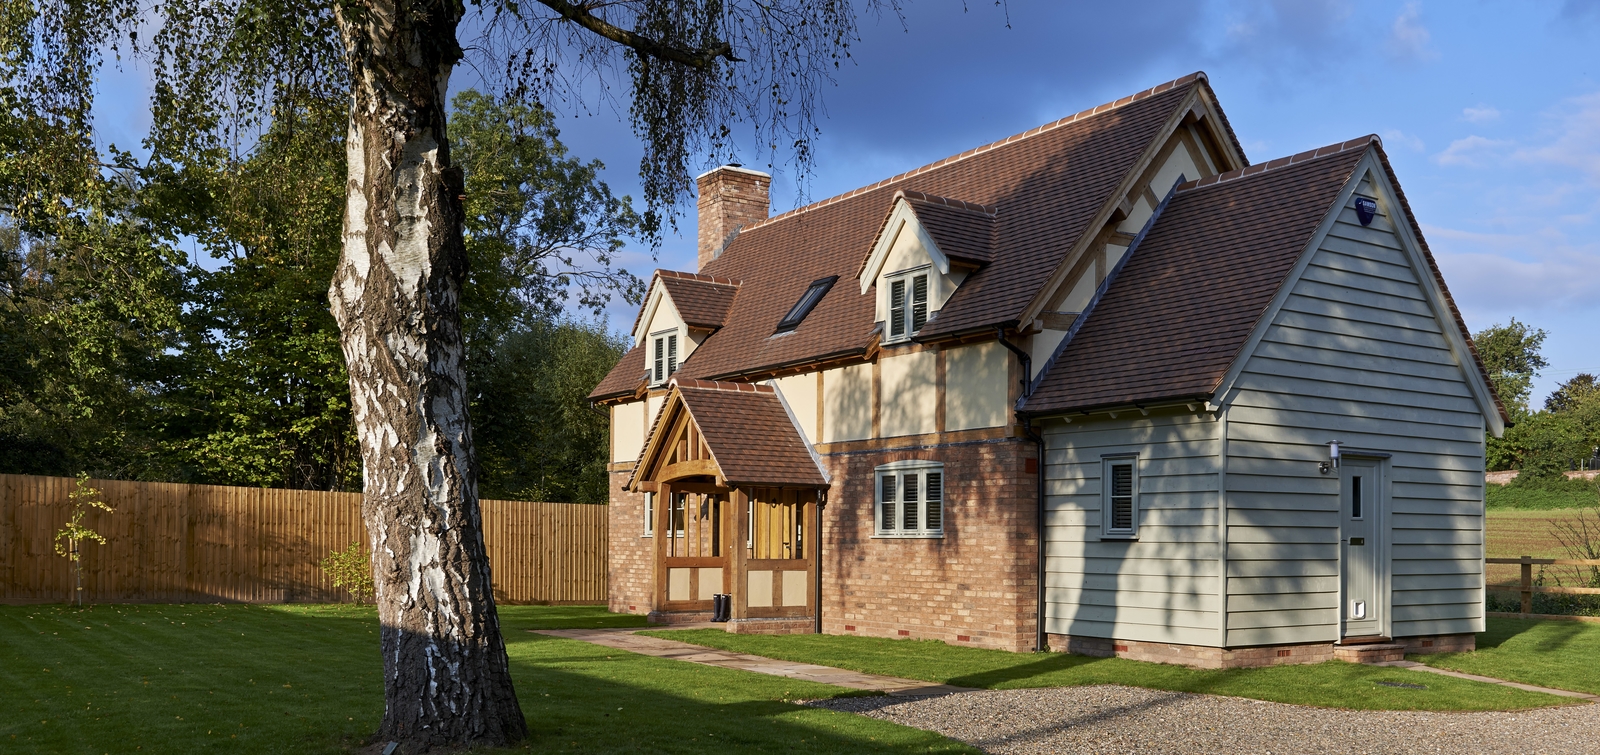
[[630, 583], [975, 586], [730, 198]]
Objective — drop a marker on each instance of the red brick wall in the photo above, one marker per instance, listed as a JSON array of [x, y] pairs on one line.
[[630, 582], [975, 586], [730, 199]]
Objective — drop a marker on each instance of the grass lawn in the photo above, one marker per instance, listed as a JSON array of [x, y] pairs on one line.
[[1559, 654], [306, 679], [1331, 684]]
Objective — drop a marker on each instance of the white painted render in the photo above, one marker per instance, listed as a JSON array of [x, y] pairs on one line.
[[847, 403], [909, 398], [1043, 347], [627, 431], [976, 386], [800, 393]]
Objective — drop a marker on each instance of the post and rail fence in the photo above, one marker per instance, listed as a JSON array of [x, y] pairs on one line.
[[1528, 588], [179, 543]]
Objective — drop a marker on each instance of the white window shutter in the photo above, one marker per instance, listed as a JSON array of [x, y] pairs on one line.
[[886, 502], [919, 302], [672, 354]]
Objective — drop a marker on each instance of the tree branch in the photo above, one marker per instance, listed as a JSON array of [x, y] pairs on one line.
[[700, 59]]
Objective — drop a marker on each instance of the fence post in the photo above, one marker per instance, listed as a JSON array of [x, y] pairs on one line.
[[1527, 585]]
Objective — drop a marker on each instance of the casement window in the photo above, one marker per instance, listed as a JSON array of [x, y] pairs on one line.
[[808, 301], [649, 515], [677, 512], [1119, 497], [909, 499], [908, 304], [664, 356]]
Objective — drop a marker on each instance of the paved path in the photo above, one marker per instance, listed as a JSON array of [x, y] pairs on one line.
[[1414, 666], [625, 639]]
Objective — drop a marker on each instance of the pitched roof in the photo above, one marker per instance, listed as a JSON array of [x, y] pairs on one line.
[[1043, 188], [623, 379], [702, 300], [1178, 313], [751, 438]]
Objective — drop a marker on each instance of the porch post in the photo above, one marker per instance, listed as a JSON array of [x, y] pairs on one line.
[[819, 500], [662, 532], [738, 582]]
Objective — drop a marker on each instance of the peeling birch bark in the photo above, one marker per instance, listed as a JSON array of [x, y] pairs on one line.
[[396, 297]]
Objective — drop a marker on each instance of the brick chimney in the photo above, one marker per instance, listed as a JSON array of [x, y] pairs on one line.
[[731, 197]]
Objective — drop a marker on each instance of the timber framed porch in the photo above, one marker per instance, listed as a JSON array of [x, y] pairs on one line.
[[737, 505]]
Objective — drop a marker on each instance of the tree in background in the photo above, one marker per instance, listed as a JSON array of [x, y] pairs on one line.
[[222, 67], [1510, 353]]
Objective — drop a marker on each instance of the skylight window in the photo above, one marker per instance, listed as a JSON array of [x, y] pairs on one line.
[[808, 301]]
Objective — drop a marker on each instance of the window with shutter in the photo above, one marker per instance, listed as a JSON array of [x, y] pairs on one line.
[[660, 361], [910, 500], [897, 309], [919, 302], [908, 495], [1120, 512], [886, 503], [663, 356], [672, 354], [933, 501]]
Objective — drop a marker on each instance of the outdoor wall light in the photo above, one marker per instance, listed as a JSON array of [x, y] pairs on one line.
[[1333, 458]]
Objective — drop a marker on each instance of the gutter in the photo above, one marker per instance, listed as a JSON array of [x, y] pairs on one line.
[[1041, 642]]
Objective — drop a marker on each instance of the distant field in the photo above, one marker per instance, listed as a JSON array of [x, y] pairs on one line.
[[1515, 532], [1570, 495]]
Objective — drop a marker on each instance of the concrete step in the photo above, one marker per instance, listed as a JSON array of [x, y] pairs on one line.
[[1374, 653]]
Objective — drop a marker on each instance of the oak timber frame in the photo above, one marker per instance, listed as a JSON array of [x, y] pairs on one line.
[[757, 543]]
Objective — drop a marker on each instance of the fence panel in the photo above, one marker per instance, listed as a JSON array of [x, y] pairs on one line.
[[171, 542]]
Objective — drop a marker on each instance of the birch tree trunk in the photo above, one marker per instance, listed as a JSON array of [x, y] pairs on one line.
[[396, 296]]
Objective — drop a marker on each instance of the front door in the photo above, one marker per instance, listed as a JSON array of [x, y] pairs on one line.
[[1361, 543]]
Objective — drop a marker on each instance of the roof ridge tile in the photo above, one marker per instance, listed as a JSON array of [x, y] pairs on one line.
[[1058, 123], [720, 385], [1330, 150], [957, 204], [703, 278]]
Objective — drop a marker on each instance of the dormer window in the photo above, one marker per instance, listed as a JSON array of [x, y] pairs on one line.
[[808, 301], [664, 356], [908, 303]]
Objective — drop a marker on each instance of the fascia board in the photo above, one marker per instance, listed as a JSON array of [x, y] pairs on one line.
[[901, 216]]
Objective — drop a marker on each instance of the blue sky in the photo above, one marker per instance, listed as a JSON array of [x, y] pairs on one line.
[[1490, 112]]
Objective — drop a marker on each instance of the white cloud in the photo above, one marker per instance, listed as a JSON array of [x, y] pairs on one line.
[[1495, 273], [1480, 114], [1471, 152], [1408, 38], [1575, 141], [1400, 138]]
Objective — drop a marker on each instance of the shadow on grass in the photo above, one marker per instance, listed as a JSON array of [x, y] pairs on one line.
[[584, 697], [1552, 636], [1046, 663]]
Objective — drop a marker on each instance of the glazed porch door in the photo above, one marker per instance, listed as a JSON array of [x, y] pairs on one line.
[[779, 553], [692, 559]]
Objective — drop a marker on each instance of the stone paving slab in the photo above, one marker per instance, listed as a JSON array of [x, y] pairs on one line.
[[625, 639], [1414, 666]]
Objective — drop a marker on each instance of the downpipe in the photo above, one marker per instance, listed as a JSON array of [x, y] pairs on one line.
[[1040, 642]]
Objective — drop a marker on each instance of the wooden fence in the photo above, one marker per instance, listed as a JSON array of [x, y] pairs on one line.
[[172, 543], [1528, 588]]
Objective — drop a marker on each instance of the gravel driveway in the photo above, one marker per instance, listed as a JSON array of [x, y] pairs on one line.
[[1112, 719]]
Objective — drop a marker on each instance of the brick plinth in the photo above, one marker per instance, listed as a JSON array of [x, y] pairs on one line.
[[1194, 656], [1439, 643], [1382, 652], [678, 617], [772, 626], [630, 579], [975, 586]]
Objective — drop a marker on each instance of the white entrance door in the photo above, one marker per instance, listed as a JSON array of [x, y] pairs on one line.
[[1361, 575]]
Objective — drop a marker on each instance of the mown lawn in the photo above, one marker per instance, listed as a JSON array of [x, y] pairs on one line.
[[1559, 654], [1333, 684], [306, 679]]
